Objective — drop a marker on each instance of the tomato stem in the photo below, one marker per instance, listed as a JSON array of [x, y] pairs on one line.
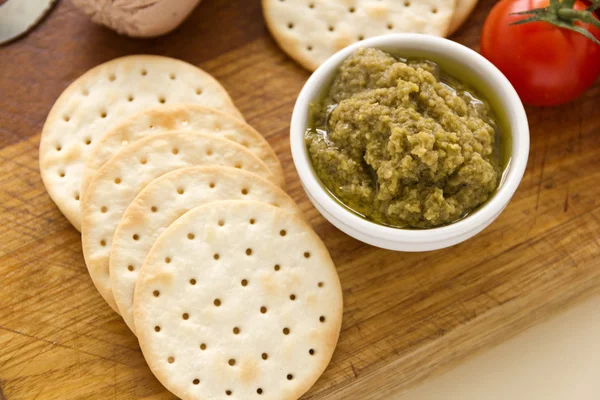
[[563, 15]]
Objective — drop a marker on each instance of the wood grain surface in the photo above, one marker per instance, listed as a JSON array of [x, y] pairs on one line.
[[407, 316]]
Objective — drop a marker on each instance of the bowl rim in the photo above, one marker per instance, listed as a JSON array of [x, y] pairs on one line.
[[442, 48]]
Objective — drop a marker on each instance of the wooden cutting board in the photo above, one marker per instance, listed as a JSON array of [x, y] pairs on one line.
[[407, 316]]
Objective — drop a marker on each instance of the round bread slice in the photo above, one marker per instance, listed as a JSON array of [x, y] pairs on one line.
[[100, 99], [180, 117], [311, 31], [240, 299], [121, 179], [464, 8], [159, 205]]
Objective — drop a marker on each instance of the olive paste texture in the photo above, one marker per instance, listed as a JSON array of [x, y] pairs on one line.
[[400, 146]]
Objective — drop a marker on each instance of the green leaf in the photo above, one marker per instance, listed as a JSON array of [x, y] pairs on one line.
[[584, 32], [526, 21], [568, 3], [535, 11]]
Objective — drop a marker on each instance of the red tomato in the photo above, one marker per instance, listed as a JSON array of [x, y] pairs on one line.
[[546, 64]]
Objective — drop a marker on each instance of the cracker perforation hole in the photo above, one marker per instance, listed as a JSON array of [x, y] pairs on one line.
[[236, 330], [361, 37], [217, 303], [175, 150], [130, 268], [171, 360], [85, 92], [172, 76], [264, 356], [112, 77], [309, 47], [209, 152], [311, 5], [331, 28], [352, 10], [168, 260], [144, 72], [198, 91], [248, 252], [263, 310], [103, 114], [259, 391], [244, 192], [76, 196], [306, 254], [244, 282], [203, 346], [290, 25], [136, 236], [434, 10], [156, 293], [58, 147], [180, 190], [103, 243], [153, 209], [320, 284], [211, 185], [216, 256], [103, 209], [192, 281], [282, 232], [407, 4], [61, 174], [311, 352], [117, 180], [221, 222], [66, 118], [228, 392], [162, 100], [130, 98], [252, 221], [191, 236], [286, 331], [292, 297], [390, 26], [196, 381], [238, 165], [157, 328], [277, 267], [231, 362], [185, 316], [87, 141], [322, 318]]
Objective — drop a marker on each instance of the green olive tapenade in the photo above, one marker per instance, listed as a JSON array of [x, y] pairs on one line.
[[401, 147]]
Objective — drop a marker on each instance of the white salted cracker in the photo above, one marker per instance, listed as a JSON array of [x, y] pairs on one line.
[[310, 31], [238, 299], [159, 205], [464, 8], [101, 98], [180, 117], [118, 182]]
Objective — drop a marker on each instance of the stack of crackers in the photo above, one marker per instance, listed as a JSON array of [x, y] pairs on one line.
[[311, 31], [188, 233]]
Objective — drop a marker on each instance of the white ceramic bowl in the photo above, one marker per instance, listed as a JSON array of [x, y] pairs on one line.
[[483, 75]]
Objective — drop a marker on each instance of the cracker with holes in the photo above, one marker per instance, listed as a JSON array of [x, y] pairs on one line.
[[464, 8], [100, 99], [310, 31], [238, 299], [160, 204], [116, 184], [180, 117]]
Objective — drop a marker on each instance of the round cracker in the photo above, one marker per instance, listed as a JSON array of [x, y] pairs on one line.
[[311, 31], [159, 205], [238, 298], [118, 182], [180, 117], [101, 98], [464, 8]]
